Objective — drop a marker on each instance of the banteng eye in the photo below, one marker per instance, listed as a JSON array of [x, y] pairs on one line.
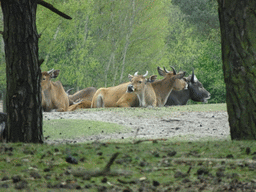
[[139, 81]]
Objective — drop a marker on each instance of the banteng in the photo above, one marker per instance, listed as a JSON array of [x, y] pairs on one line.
[[108, 97], [53, 93], [195, 92], [86, 94], [157, 92], [81, 99]]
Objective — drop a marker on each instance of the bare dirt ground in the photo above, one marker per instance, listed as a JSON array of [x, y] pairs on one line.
[[150, 125]]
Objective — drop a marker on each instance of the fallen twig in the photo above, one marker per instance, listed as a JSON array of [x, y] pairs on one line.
[[189, 170], [136, 134], [111, 161], [126, 182], [171, 120], [153, 140], [104, 172]]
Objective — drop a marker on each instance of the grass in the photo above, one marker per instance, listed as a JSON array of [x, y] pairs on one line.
[[157, 165], [71, 129], [147, 164]]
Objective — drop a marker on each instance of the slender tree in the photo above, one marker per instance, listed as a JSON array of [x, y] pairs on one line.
[[238, 39], [24, 111]]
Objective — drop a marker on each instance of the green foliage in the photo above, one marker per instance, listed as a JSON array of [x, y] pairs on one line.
[[209, 71], [2, 74], [107, 40], [190, 47], [2, 60], [202, 14]]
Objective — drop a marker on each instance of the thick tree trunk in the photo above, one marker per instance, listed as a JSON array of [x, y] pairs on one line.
[[24, 111], [238, 39]]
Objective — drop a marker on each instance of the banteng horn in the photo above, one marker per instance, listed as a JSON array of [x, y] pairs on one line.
[[145, 74], [174, 72], [193, 76], [49, 72], [166, 70], [136, 73]]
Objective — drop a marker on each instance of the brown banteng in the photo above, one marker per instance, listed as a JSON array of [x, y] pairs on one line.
[[110, 97], [157, 92], [80, 105], [142, 87], [81, 99], [53, 93], [195, 92]]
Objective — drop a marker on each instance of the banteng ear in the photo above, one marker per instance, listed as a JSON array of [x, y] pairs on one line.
[[180, 75], [161, 71], [185, 79], [55, 73], [152, 78], [130, 77]]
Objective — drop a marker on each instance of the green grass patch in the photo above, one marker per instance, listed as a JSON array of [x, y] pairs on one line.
[[70, 128], [151, 165]]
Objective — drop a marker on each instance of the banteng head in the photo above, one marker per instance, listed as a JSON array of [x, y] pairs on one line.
[[177, 79], [46, 78], [196, 89], [139, 82]]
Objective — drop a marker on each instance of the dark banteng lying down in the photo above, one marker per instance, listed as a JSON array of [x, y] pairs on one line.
[[195, 92]]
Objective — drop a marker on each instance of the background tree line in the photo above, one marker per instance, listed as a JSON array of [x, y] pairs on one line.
[[107, 40]]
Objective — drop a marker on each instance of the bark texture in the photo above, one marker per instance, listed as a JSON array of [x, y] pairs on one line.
[[238, 39], [24, 111]]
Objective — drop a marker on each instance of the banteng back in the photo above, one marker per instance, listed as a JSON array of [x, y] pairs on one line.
[[81, 99], [86, 94], [108, 97]]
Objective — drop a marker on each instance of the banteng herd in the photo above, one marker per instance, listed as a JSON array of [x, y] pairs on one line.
[[141, 91]]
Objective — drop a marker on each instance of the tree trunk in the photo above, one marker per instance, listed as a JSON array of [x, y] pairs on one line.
[[238, 39], [24, 120]]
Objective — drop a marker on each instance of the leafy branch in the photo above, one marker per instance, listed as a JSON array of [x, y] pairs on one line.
[[53, 9]]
